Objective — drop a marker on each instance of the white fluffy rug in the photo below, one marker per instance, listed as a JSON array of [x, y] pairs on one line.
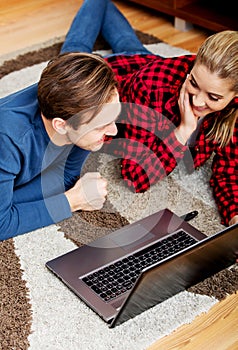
[[60, 320]]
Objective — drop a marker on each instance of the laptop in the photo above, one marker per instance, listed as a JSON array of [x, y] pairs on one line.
[[142, 264]]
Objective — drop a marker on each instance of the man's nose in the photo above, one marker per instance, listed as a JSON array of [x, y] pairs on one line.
[[111, 129]]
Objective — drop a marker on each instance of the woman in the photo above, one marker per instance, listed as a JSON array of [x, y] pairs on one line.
[[178, 108]]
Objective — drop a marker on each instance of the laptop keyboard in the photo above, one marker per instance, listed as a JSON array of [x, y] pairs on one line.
[[119, 277]]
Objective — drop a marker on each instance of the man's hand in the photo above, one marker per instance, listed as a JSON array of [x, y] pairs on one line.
[[89, 193]]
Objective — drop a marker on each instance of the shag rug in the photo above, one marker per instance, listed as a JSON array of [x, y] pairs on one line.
[[40, 312]]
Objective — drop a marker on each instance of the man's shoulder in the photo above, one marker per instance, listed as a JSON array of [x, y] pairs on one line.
[[23, 102], [20, 98], [18, 111]]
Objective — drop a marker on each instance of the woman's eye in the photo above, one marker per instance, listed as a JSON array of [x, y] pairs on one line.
[[193, 83], [213, 98]]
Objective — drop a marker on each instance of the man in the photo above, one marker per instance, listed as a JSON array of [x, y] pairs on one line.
[[47, 131]]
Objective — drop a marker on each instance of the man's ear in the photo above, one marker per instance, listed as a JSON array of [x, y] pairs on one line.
[[59, 125]]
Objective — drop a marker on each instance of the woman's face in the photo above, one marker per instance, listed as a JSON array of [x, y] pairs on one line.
[[207, 92]]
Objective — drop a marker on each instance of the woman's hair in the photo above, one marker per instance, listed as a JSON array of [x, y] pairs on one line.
[[75, 84], [219, 53]]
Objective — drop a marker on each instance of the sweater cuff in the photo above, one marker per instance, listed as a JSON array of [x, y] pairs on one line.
[[58, 207]]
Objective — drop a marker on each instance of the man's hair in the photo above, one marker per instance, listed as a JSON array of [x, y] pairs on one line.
[[74, 83]]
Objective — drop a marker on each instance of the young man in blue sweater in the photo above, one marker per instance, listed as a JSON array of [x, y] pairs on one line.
[[46, 133]]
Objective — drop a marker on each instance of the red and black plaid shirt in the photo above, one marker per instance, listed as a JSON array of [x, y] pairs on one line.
[[149, 87]]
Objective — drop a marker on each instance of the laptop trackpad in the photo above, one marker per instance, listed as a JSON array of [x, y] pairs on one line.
[[132, 237]]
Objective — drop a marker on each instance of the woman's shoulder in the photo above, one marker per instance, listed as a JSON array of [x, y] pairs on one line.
[[141, 59], [162, 68], [165, 72], [172, 65]]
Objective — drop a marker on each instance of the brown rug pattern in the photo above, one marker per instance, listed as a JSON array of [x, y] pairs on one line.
[[15, 321], [15, 312]]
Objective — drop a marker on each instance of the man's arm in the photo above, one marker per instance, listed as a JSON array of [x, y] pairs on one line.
[[24, 209]]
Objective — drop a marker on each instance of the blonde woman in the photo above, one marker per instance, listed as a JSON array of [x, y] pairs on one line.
[[177, 108], [196, 100]]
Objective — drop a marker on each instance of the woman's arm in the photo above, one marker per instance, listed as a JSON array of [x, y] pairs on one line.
[[234, 220], [224, 182], [147, 146]]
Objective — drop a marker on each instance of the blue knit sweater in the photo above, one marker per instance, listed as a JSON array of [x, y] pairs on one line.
[[34, 173]]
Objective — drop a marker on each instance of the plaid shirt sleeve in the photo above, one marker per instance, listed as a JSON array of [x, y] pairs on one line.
[[148, 151], [224, 180], [146, 141]]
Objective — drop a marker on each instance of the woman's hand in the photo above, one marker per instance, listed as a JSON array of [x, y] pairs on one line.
[[89, 193], [188, 120], [234, 220]]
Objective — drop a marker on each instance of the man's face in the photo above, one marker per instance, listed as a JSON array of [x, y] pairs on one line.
[[91, 136]]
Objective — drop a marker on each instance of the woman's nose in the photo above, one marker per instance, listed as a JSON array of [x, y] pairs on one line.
[[198, 100]]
